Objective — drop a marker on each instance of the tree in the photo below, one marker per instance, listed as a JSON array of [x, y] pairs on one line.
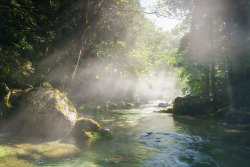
[[213, 54]]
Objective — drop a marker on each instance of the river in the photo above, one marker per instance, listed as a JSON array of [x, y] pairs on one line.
[[148, 139]]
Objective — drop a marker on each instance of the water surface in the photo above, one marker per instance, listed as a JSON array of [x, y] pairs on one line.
[[145, 138]]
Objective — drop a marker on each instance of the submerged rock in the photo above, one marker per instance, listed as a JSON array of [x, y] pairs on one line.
[[53, 150], [14, 162], [23, 154], [149, 133]]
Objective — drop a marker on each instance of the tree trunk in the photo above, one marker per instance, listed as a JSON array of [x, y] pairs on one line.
[[230, 90], [81, 34], [206, 81], [213, 88], [48, 8]]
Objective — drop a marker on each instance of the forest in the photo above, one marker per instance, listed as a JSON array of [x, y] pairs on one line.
[[64, 64]]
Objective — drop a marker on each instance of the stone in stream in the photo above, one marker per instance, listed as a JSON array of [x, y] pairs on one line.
[[163, 105], [191, 105], [169, 109], [149, 133], [89, 126], [47, 112], [157, 139]]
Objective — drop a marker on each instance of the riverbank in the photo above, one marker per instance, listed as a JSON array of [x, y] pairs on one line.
[[203, 107]]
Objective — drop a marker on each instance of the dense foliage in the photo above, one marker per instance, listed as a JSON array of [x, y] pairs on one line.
[[213, 57], [94, 50]]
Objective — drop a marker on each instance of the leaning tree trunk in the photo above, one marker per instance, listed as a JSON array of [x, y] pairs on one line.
[[81, 35]]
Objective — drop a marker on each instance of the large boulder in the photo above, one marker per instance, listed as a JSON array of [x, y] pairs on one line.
[[191, 105], [45, 111]]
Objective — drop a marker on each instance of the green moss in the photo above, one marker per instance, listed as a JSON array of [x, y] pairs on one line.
[[126, 105], [25, 153], [3, 152], [90, 107], [96, 136], [169, 109], [47, 84], [81, 107], [68, 103], [15, 162], [6, 100], [110, 105]]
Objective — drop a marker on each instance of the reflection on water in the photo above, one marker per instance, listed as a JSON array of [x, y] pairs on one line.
[[145, 138]]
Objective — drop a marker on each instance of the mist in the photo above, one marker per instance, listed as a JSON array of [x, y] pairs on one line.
[[98, 82], [122, 64]]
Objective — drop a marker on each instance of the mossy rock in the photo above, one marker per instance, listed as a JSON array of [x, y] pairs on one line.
[[163, 105], [191, 105], [97, 136], [45, 111], [84, 125], [46, 84], [166, 110]]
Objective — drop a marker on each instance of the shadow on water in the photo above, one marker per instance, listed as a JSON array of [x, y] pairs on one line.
[[228, 144]]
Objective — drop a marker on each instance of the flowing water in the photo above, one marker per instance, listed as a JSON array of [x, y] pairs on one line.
[[145, 138]]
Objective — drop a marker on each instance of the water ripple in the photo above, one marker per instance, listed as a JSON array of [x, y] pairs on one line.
[[174, 150]]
